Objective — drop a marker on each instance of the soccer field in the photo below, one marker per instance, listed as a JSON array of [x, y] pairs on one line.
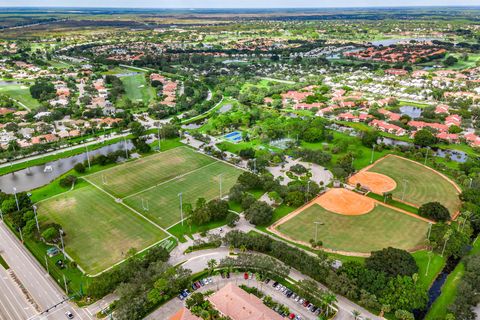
[[422, 184], [163, 201], [131, 205], [99, 231], [380, 228], [135, 176]]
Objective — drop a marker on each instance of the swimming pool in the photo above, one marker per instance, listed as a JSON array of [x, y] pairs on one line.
[[235, 136]]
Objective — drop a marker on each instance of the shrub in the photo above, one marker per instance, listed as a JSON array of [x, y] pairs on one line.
[[435, 211], [79, 167]]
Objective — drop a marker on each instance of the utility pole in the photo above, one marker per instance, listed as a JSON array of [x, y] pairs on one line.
[[65, 282], [308, 190], [254, 166], [16, 199], [1, 214], [430, 254], [36, 217], [88, 157], [63, 245], [21, 234], [181, 207], [429, 230]]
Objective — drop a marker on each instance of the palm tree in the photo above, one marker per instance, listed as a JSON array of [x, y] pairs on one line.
[[355, 314], [327, 300], [212, 263], [446, 237], [243, 248]]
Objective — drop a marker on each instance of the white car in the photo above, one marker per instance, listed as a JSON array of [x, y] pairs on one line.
[[69, 315]]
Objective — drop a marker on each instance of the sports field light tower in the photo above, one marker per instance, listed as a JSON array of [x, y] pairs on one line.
[[181, 207], [88, 157], [16, 199], [317, 223], [36, 217], [220, 182]]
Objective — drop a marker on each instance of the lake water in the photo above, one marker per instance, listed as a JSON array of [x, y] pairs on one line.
[[36, 176], [8, 83], [387, 42], [412, 112]]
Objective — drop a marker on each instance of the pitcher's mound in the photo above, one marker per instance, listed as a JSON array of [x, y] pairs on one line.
[[343, 201], [375, 182]]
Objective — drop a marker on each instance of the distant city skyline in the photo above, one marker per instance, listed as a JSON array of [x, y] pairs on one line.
[[232, 4]]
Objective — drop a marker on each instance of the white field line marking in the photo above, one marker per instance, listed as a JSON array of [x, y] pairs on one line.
[[136, 161], [120, 262], [127, 206], [170, 180]]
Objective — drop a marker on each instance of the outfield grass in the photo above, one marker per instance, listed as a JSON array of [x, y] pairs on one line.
[[423, 185], [378, 229], [163, 200], [135, 176], [20, 93], [99, 231], [137, 88]]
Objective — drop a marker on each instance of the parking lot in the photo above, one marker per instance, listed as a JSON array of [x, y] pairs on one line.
[[218, 282]]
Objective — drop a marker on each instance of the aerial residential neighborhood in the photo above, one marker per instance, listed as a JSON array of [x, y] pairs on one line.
[[258, 160]]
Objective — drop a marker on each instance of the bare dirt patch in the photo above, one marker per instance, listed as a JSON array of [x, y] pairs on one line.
[[346, 202], [375, 182]]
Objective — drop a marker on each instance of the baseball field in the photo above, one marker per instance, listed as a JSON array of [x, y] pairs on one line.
[[409, 181], [352, 223], [133, 204]]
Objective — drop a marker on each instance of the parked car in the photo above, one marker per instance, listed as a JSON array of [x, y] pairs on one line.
[[69, 315], [245, 276], [275, 284]]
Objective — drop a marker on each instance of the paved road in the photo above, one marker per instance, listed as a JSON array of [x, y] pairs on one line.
[[37, 285], [13, 303]]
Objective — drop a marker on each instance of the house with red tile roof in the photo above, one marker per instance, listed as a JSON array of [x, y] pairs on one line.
[[387, 127], [449, 137], [453, 120], [390, 115], [421, 124], [442, 108], [184, 314], [396, 72], [237, 304]]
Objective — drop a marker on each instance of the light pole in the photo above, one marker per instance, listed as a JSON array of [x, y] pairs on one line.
[[308, 190], [430, 254], [470, 185], [429, 230], [158, 136], [88, 158], [21, 234], [1, 214], [426, 156], [404, 188], [254, 165], [126, 149], [220, 181], [63, 245], [181, 207], [316, 229], [36, 217], [16, 199], [373, 150], [46, 264]]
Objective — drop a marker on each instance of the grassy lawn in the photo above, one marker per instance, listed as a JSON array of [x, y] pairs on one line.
[[137, 88], [422, 186], [439, 308], [135, 176], [378, 229], [20, 93], [115, 229], [163, 200], [436, 265]]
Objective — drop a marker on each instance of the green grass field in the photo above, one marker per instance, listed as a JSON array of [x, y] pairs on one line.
[[135, 176], [20, 93], [92, 218], [163, 200], [423, 185], [380, 228], [99, 231], [137, 88]]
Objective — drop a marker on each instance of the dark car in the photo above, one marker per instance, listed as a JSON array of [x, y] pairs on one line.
[[275, 284]]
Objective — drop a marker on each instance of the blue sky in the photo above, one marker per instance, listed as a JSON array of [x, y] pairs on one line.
[[233, 4]]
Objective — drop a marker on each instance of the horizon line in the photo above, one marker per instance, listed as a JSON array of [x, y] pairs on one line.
[[230, 8]]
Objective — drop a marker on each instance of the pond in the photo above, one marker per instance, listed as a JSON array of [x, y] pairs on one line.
[[8, 83], [38, 176], [387, 42], [411, 111], [225, 108], [455, 155]]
